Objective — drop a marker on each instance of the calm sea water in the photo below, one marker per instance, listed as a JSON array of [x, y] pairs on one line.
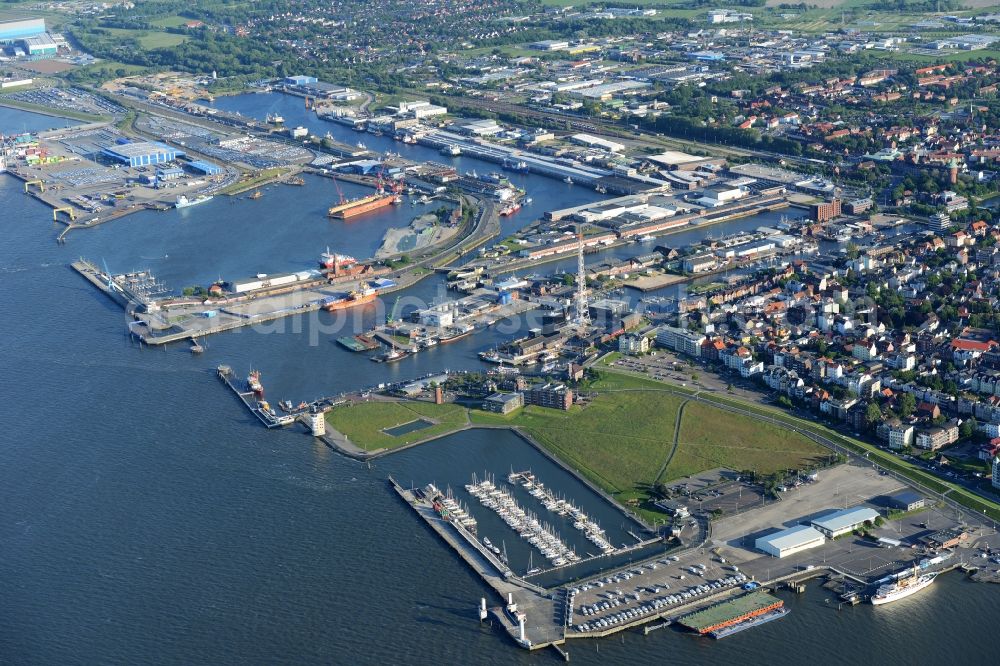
[[146, 518]]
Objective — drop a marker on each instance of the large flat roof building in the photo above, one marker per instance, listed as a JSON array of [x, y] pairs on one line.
[[790, 541], [204, 167], [142, 153], [835, 523], [20, 29], [40, 45]]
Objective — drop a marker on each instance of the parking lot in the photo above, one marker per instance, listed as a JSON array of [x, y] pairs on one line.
[[715, 490], [841, 487], [69, 99], [650, 590]]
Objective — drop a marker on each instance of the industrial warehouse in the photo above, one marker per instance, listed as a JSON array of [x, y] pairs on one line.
[[791, 541], [28, 37], [142, 153]]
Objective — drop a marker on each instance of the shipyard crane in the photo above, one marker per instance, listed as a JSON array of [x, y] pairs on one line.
[[111, 283], [340, 194]]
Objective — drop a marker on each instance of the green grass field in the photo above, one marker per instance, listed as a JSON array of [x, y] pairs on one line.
[[707, 440], [170, 21], [160, 40], [619, 441], [364, 423], [624, 438], [149, 39]]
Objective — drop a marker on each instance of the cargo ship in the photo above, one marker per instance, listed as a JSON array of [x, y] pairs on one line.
[[184, 202], [729, 617], [515, 165], [456, 333], [330, 260], [363, 294], [902, 588], [355, 207]]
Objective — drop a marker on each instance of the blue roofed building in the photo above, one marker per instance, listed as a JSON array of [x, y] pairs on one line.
[[204, 167], [20, 29], [142, 153]]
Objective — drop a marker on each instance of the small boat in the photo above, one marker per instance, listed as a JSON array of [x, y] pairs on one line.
[[257, 194], [274, 119], [487, 542], [568, 180], [391, 356]]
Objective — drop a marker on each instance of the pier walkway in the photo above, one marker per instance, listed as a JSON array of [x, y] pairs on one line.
[[536, 603]]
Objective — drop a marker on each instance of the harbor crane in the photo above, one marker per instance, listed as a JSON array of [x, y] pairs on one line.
[[391, 317]]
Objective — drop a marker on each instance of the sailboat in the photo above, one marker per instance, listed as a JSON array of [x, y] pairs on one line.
[[532, 569]]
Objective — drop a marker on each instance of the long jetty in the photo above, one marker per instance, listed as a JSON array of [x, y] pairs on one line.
[[525, 601], [271, 421]]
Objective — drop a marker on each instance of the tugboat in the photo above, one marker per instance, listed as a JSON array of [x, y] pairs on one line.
[[510, 210], [390, 356]]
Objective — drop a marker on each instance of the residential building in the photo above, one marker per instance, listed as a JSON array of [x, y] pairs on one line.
[[503, 403], [553, 396], [680, 340], [633, 344], [933, 439]]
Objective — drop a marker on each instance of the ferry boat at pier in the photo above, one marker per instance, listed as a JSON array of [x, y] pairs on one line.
[[902, 587]]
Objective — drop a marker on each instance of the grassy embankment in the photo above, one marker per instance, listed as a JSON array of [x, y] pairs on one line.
[[265, 176], [623, 441], [51, 111], [364, 423], [873, 453]]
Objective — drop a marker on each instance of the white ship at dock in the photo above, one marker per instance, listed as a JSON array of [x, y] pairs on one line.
[[902, 588]]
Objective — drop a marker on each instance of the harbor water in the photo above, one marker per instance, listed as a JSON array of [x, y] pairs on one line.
[[146, 517]]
